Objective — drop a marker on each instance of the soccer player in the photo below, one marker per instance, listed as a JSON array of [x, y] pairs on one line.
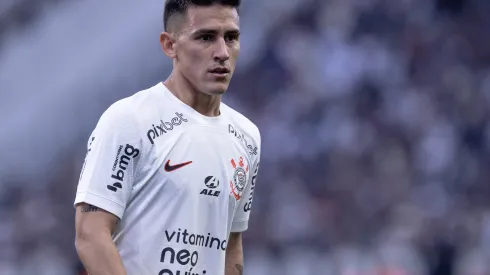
[[168, 180]]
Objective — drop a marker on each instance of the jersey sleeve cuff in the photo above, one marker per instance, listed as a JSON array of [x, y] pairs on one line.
[[239, 226], [100, 202]]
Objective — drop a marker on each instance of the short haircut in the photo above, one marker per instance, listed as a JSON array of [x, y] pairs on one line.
[[179, 7]]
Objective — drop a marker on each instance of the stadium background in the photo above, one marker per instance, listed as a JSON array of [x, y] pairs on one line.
[[374, 117]]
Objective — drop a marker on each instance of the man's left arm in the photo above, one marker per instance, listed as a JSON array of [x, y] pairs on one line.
[[234, 255], [234, 249]]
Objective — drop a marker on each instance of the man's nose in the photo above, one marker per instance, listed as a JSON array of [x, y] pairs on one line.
[[221, 53]]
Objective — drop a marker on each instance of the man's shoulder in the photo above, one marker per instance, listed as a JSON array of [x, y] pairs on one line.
[[141, 100], [132, 108], [127, 115], [243, 124]]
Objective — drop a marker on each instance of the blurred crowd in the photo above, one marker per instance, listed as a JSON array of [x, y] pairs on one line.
[[376, 147], [17, 14]]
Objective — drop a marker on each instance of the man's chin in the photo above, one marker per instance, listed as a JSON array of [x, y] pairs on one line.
[[217, 89]]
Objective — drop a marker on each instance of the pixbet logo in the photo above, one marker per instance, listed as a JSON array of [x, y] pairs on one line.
[[211, 182], [252, 150], [164, 127], [129, 152]]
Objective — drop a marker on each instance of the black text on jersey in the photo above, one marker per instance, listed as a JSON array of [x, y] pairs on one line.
[[164, 127], [211, 183], [252, 149], [248, 205], [129, 152]]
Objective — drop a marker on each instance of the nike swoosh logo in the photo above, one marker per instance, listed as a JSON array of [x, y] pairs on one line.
[[170, 168]]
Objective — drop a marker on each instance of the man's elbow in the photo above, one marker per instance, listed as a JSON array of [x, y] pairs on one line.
[[93, 226], [81, 244], [85, 239]]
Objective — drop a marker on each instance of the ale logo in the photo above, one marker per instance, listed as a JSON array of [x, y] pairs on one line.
[[211, 183]]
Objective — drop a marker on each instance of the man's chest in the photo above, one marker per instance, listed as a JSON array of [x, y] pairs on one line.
[[204, 162]]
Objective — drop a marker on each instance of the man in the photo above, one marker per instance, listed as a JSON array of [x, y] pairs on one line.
[[168, 179]]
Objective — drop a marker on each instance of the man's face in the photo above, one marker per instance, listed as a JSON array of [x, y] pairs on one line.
[[207, 46]]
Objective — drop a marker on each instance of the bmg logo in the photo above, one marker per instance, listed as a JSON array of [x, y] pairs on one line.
[[129, 152]]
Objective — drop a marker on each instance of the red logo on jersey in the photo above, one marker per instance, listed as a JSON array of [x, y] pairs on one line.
[[170, 168], [237, 184]]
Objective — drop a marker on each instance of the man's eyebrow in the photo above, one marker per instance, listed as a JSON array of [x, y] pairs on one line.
[[233, 31], [205, 31], [214, 32]]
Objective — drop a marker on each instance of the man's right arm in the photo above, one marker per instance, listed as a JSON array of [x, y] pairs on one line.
[[93, 241], [104, 188]]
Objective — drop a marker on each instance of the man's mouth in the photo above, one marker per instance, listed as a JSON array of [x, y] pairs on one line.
[[220, 71]]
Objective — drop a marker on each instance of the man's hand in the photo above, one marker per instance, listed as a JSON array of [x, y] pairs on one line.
[[94, 244], [234, 255]]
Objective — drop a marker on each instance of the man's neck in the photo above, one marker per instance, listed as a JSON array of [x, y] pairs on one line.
[[207, 105]]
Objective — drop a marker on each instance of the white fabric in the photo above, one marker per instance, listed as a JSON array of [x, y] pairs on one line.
[[171, 220]]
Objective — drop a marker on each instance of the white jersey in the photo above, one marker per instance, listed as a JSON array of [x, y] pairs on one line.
[[179, 181]]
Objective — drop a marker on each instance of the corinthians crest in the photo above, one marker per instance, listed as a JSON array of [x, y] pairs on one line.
[[237, 184]]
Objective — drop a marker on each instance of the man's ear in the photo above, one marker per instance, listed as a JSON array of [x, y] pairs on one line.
[[167, 43]]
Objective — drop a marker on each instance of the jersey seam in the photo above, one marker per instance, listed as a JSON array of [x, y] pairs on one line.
[[99, 196]]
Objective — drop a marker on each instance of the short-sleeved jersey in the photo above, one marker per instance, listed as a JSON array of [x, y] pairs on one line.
[[179, 181]]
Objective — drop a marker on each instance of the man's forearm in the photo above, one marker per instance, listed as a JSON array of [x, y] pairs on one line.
[[100, 256], [236, 269], [95, 247], [234, 255]]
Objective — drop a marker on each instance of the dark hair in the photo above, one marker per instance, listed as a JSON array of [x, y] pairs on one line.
[[175, 7]]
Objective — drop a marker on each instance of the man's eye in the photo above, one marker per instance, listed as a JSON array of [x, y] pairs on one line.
[[206, 37], [231, 38]]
